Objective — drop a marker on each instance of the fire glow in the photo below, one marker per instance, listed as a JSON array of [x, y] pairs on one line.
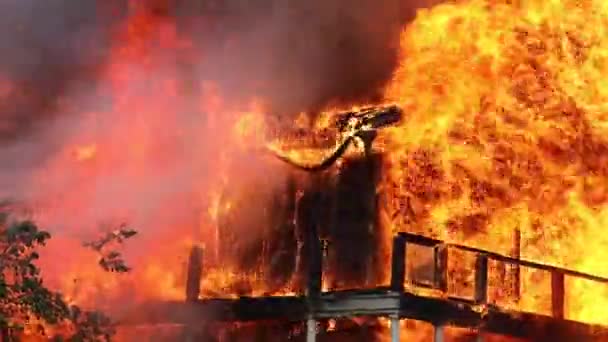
[[504, 131]]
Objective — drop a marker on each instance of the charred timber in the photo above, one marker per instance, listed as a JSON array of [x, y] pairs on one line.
[[378, 302], [355, 126], [394, 301]]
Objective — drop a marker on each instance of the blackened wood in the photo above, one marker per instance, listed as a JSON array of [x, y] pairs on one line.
[[379, 302], [398, 263], [514, 269], [420, 240], [308, 272], [481, 279], [355, 239], [557, 294], [195, 273], [281, 241], [440, 274], [315, 266]]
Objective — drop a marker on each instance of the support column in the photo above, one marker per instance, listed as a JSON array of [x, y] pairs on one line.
[[481, 279], [439, 333], [514, 270], [395, 329], [311, 330], [193, 284], [195, 273], [398, 263], [314, 279], [481, 286]]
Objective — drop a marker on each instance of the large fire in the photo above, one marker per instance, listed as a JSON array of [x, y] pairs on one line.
[[506, 131], [505, 114]]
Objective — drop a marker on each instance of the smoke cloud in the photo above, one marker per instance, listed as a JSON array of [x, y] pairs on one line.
[[60, 79]]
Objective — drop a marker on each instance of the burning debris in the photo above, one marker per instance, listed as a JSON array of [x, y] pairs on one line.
[[357, 127]]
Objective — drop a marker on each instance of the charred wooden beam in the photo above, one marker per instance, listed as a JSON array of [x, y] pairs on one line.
[[557, 294], [398, 263], [352, 227], [195, 273], [387, 302], [481, 279], [349, 126], [440, 274], [514, 274], [315, 264], [379, 302]]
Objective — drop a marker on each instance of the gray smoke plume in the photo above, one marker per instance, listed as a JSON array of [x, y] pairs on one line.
[[295, 55]]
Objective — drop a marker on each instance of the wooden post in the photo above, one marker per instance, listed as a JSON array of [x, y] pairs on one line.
[[315, 271], [439, 333], [314, 277], [325, 246], [481, 279], [395, 329], [557, 294], [352, 228], [398, 263], [481, 285], [311, 330], [440, 274], [514, 269], [195, 273], [193, 284]]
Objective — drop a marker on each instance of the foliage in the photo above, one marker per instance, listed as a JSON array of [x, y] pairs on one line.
[[110, 259], [26, 304]]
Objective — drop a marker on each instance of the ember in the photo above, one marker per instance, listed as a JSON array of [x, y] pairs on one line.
[[459, 192]]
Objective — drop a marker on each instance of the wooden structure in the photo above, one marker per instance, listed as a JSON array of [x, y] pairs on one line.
[[397, 301]]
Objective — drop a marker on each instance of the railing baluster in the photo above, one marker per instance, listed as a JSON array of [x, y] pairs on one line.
[[440, 276], [481, 285], [481, 279], [398, 263], [557, 294]]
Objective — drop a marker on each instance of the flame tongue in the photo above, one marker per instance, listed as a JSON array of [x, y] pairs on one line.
[[506, 130]]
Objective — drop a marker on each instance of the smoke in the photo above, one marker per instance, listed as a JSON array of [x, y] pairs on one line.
[[295, 56], [67, 90], [299, 56], [46, 46], [306, 55]]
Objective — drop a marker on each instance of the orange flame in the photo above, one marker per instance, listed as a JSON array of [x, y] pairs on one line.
[[506, 106]]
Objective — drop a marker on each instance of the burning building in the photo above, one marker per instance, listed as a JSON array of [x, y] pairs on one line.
[[445, 179]]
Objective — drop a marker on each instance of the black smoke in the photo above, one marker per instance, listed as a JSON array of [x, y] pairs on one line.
[[301, 55], [46, 46], [306, 55]]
